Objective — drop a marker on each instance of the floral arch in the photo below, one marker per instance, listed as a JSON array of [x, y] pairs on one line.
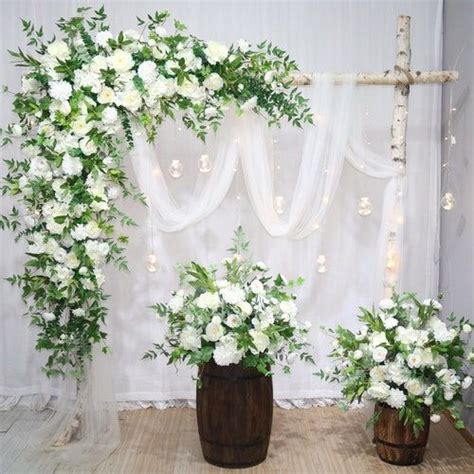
[[82, 97]]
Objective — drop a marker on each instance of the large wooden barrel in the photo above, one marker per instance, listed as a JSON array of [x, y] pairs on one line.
[[396, 442], [234, 413]]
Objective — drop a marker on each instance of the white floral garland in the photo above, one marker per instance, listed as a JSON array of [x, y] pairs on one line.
[[81, 98]]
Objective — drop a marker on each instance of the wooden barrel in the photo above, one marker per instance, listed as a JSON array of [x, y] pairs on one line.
[[234, 414], [396, 442]]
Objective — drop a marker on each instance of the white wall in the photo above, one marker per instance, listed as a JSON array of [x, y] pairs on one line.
[[456, 278]]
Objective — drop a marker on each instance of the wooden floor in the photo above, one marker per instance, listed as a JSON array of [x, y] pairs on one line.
[[317, 440]]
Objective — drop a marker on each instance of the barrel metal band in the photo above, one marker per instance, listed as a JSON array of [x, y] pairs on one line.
[[404, 446], [223, 445]]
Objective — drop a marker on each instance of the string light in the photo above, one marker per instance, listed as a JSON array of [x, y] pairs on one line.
[[365, 207], [176, 169], [205, 164], [448, 202], [280, 204], [321, 264]]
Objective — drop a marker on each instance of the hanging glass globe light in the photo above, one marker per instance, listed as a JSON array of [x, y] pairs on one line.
[[176, 169], [151, 263], [205, 164], [365, 207], [448, 202], [321, 264], [280, 204]]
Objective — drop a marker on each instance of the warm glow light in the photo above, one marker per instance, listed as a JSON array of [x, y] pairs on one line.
[[176, 169], [365, 207], [321, 264], [205, 164], [448, 202], [280, 204]]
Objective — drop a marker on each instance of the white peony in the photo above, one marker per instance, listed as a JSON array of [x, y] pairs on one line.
[[379, 354], [226, 351], [379, 391], [214, 330], [190, 339], [102, 38], [59, 49], [233, 321], [233, 294], [109, 115], [48, 316], [396, 398], [415, 387], [208, 300], [216, 52], [191, 89], [257, 287], [386, 304], [147, 71], [213, 82], [71, 165], [60, 90], [260, 340], [130, 98], [106, 95], [191, 61], [121, 61], [87, 146]]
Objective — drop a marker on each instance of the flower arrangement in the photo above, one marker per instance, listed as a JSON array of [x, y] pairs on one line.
[[404, 356], [243, 316], [84, 96]]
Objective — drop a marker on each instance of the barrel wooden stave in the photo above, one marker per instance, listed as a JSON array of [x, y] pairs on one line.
[[234, 413], [396, 442]]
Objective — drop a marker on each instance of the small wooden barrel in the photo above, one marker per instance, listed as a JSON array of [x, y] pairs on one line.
[[234, 414], [396, 442]]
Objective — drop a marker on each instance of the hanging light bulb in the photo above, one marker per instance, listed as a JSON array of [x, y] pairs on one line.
[[205, 164], [365, 207], [176, 169], [280, 204], [448, 202], [321, 264], [151, 263]]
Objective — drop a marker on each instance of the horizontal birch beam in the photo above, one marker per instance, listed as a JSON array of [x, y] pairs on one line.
[[386, 78]]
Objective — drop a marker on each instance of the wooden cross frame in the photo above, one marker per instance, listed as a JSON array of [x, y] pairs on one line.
[[402, 77]]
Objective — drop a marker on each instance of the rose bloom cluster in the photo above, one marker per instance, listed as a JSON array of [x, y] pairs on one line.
[[244, 316], [84, 97], [404, 356]]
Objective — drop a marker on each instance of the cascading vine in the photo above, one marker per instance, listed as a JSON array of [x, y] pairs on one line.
[[84, 95]]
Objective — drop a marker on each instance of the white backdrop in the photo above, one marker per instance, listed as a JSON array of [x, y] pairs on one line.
[[322, 36]]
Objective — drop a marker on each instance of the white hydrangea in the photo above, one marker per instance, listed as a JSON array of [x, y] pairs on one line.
[[190, 339], [233, 294], [226, 351], [97, 251], [60, 90], [379, 391], [396, 398], [147, 71], [71, 165], [386, 304], [208, 300]]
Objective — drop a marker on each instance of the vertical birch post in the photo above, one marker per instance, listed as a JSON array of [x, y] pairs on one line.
[[402, 92]]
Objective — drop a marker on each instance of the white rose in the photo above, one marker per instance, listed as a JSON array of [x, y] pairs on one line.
[[377, 373], [378, 338], [213, 82], [406, 335], [257, 287], [60, 90], [436, 305], [396, 398], [121, 61], [106, 95], [233, 321], [109, 115], [147, 71], [130, 99], [260, 340], [17, 130], [71, 165], [87, 146], [414, 386], [93, 230], [102, 38], [466, 383], [428, 401], [72, 261], [448, 394], [358, 354], [190, 339], [246, 308], [379, 391], [216, 52], [243, 45], [59, 49], [435, 418], [81, 127], [379, 354], [214, 331], [59, 255], [414, 359], [49, 317], [466, 328], [386, 304]]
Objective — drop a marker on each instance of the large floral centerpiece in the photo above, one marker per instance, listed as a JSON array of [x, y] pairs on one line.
[[406, 358], [84, 96], [240, 315]]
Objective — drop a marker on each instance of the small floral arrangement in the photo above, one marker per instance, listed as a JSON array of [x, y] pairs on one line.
[[85, 94], [244, 316], [404, 356]]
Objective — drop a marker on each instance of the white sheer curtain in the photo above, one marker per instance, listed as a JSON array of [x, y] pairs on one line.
[[321, 36]]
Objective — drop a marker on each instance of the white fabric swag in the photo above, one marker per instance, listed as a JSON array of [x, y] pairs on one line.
[[327, 145]]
